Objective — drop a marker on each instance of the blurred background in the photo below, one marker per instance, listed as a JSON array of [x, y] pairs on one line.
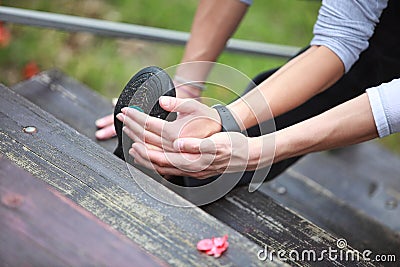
[[106, 64]]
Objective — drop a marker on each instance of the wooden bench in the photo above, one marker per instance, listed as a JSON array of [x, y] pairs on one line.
[[109, 193], [101, 183], [51, 230]]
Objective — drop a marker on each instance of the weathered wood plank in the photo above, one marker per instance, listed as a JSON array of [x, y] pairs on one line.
[[374, 178], [102, 184], [339, 200], [40, 227], [262, 220], [69, 101]]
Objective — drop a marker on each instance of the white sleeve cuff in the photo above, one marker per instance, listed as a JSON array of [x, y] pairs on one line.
[[385, 105]]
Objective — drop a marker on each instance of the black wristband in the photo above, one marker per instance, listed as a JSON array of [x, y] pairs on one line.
[[228, 122]]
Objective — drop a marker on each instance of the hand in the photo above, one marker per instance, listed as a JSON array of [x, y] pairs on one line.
[[200, 158], [106, 123], [106, 127], [194, 120]]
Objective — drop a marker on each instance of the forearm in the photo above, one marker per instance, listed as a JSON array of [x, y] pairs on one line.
[[349, 123], [300, 79], [213, 25]]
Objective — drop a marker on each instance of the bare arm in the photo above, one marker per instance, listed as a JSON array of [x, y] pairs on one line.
[[349, 123], [300, 79], [213, 24]]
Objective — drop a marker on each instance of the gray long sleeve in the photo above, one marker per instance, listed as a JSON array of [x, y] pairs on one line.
[[346, 26]]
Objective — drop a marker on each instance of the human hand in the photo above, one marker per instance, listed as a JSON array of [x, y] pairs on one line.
[[200, 158], [193, 120], [106, 127]]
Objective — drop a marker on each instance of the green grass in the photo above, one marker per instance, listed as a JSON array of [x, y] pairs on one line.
[[392, 142], [105, 64]]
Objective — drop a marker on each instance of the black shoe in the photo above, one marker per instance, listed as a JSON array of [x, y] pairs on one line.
[[143, 91]]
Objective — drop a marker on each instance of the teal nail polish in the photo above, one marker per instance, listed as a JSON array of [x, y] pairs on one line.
[[137, 108]]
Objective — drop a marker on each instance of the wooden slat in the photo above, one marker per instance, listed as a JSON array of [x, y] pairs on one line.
[[69, 101], [328, 192], [102, 184], [40, 227], [375, 180], [344, 196], [265, 222]]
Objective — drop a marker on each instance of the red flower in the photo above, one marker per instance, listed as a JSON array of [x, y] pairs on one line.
[[30, 70], [214, 246], [5, 35]]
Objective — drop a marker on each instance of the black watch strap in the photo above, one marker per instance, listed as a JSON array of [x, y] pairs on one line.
[[228, 122]]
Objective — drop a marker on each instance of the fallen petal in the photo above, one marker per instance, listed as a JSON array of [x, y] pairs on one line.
[[215, 246], [205, 244], [220, 241]]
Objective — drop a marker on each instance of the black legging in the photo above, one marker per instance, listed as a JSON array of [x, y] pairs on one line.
[[379, 63]]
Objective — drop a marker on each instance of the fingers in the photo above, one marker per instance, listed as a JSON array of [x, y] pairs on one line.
[[105, 121], [106, 125], [138, 133], [106, 133], [173, 104], [195, 145], [146, 137], [144, 121], [186, 162]]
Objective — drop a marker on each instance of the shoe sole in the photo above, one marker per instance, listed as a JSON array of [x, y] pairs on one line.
[[143, 91]]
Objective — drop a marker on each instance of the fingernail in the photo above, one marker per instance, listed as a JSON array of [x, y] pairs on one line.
[[124, 109], [100, 134], [165, 101], [98, 122], [120, 116]]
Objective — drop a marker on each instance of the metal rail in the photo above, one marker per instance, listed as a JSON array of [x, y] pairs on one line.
[[125, 30]]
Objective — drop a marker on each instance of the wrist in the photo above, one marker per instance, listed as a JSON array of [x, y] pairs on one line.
[[184, 91], [199, 85], [216, 125], [255, 152], [242, 113], [283, 148], [262, 151], [227, 119]]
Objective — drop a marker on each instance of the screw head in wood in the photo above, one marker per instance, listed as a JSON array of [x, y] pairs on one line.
[[391, 204], [30, 129]]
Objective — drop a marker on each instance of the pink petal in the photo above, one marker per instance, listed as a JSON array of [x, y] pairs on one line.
[[205, 244], [219, 250], [214, 246], [220, 241]]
